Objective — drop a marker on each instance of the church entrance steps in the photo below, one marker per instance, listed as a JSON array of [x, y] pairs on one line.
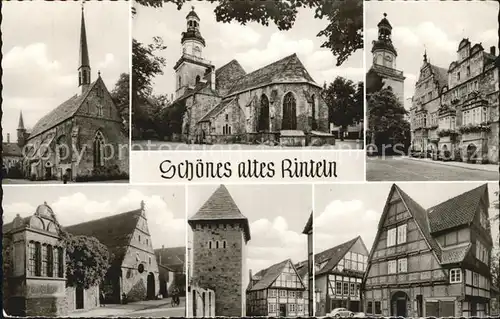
[[478, 167]]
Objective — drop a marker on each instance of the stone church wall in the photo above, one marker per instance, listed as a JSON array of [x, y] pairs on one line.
[[198, 106], [221, 270], [275, 93]]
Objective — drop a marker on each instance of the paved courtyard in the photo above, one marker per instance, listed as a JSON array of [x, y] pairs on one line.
[[409, 169], [171, 146], [150, 308]]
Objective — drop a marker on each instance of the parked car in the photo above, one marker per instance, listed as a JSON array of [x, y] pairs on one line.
[[340, 312]]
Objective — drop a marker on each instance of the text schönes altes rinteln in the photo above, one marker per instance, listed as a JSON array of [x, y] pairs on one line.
[[288, 168]]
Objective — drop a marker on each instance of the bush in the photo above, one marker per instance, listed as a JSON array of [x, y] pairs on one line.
[[103, 174]]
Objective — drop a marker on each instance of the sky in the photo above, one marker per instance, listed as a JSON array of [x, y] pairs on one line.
[[437, 26], [253, 45], [40, 55], [277, 215], [343, 212], [74, 204]]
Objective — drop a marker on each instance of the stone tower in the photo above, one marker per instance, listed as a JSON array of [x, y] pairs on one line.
[[83, 63], [191, 67], [384, 59], [220, 236], [21, 131]]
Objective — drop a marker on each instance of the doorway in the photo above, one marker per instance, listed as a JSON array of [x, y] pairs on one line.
[[151, 286], [48, 172], [79, 303], [399, 303], [282, 309], [471, 152]]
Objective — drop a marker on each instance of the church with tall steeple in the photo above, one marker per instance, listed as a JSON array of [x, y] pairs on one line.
[[384, 59], [279, 103], [81, 139]]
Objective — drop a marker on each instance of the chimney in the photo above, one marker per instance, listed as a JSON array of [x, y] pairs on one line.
[[250, 274], [493, 50], [212, 79], [8, 137]]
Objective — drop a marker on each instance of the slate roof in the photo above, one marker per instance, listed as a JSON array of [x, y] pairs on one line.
[[11, 149], [420, 216], [301, 268], [114, 232], [309, 225], [441, 75], [217, 109], [221, 206], [61, 113], [268, 276], [457, 211], [232, 67], [172, 258], [333, 256], [289, 69]]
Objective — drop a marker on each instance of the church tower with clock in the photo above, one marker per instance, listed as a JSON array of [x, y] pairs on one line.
[[192, 68], [384, 59]]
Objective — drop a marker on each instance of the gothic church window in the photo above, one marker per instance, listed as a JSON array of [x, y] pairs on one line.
[[289, 121], [264, 114], [50, 261], [98, 150], [197, 79], [313, 111]]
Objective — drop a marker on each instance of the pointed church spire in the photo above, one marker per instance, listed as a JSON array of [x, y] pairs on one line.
[[425, 55], [20, 126], [84, 63]]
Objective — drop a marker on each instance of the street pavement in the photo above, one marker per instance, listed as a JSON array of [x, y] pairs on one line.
[[172, 146], [149, 308], [408, 169]]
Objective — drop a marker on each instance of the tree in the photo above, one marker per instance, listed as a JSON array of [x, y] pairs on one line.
[[344, 103], [386, 121], [87, 261], [146, 65], [121, 98], [344, 33], [374, 82]]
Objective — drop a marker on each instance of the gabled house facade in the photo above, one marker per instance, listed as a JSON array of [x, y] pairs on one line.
[[338, 276], [277, 291], [431, 262], [133, 274]]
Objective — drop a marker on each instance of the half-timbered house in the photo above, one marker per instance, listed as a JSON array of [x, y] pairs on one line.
[[338, 275], [277, 291], [431, 262]]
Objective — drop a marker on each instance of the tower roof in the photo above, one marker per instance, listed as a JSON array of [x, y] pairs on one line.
[[192, 13], [20, 126], [384, 22], [221, 207], [84, 52]]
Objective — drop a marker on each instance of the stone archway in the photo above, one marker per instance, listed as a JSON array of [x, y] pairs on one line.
[[399, 304], [151, 286], [471, 152], [289, 121]]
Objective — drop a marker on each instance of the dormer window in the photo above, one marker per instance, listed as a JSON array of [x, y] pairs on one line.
[[455, 276]]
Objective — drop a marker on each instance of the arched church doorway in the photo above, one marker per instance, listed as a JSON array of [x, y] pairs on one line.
[[263, 114], [471, 152], [289, 121], [151, 286], [399, 304]]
